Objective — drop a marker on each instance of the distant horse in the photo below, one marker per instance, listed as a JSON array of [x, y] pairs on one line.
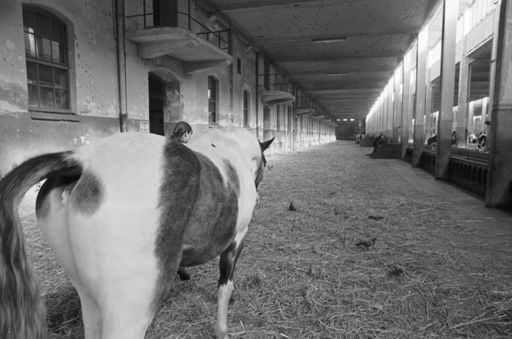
[[122, 214]]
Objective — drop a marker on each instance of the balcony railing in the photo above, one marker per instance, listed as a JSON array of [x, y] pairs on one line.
[[168, 32], [220, 38], [275, 89]]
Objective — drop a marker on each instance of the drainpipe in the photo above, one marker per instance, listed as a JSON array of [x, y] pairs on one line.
[[257, 93], [120, 30]]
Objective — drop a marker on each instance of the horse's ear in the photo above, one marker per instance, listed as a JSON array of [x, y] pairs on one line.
[[264, 145]]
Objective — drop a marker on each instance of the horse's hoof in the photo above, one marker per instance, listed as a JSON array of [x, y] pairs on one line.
[[221, 334]]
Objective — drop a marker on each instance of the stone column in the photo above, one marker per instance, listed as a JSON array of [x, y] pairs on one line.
[[445, 120], [499, 190], [428, 109], [406, 102], [389, 107], [419, 123], [397, 104], [462, 111]]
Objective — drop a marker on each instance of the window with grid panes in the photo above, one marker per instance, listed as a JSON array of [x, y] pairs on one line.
[[46, 53]]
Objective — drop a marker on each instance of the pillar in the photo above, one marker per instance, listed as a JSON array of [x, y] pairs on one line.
[[428, 108], [499, 190], [462, 111], [397, 104], [419, 123], [389, 108], [406, 103], [445, 120]]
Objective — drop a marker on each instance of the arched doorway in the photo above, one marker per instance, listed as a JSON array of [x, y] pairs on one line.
[[156, 104]]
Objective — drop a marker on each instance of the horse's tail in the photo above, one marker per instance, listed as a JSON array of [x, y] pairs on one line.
[[22, 313]]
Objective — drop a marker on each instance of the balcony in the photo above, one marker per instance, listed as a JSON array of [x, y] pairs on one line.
[[178, 35], [318, 117], [276, 92], [304, 110], [304, 104]]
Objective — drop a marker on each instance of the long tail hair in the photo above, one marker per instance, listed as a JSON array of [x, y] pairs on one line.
[[22, 313]]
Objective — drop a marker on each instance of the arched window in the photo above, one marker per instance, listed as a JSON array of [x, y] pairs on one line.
[[46, 52], [212, 99], [247, 100]]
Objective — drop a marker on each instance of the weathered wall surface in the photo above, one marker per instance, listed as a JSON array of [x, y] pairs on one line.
[[13, 74], [92, 71]]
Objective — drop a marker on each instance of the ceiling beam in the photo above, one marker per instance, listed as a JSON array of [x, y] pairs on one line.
[[375, 90], [347, 37], [334, 100], [385, 73], [313, 88], [259, 4], [395, 54]]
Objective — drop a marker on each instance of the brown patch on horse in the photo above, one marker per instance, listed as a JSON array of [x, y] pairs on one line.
[[178, 196], [213, 223], [87, 195]]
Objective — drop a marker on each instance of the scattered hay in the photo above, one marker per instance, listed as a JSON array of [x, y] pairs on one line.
[[438, 269], [364, 245], [375, 217]]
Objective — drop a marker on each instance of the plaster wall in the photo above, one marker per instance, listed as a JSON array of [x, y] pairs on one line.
[[93, 81]]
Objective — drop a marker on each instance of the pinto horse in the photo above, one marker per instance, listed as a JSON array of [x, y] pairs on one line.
[[122, 214]]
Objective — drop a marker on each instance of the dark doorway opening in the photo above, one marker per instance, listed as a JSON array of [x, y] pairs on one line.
[[165, 13], [156, 105]]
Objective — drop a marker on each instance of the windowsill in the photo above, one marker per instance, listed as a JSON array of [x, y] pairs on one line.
[[36, 115]]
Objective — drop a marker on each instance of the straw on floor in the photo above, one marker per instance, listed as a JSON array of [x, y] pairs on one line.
[[365, 252]]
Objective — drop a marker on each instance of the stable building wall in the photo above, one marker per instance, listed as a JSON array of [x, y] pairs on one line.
[[112, 85], [93, 111]]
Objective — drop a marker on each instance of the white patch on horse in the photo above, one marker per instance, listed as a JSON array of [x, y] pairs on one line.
[[223, 296], [113, 249]]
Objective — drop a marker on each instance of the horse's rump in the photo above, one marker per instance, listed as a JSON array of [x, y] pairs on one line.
[[121, 214]]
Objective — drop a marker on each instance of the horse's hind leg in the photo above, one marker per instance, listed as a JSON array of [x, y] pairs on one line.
[[127, 305], [52, 216], [227, 264], [91, 314]]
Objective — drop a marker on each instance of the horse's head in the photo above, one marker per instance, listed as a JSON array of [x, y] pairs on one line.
[[263, 161]]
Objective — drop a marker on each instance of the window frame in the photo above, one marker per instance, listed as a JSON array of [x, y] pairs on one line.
[[53, 113]]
